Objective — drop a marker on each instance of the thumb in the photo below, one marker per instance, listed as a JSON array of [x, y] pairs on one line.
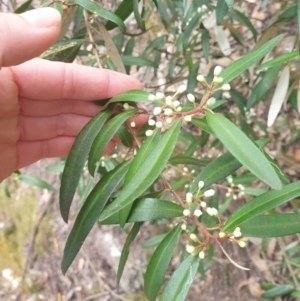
[[26, 36]]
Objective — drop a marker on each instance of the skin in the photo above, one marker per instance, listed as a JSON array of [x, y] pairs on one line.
[[43, 104]]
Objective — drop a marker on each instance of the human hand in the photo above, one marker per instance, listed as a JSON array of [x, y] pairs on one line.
[[43, 104]]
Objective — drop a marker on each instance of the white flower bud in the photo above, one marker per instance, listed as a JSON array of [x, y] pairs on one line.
[[241, 243], [169, 120], [200, 78], [204, 7], [186, 212], [159, 124], [203, 204], [181, 89], [222, 234], [178, 109], [199, 10], [149, 133], [151, 122], [200, 184], [219, 80], [188, 118], [197, 212], [168, 112], [201, 255], [126, 106], [151, 97], [212, 211], [169, 100], [185, 169], [132, 124], [186, 186], [189, 197], [191, 97], [189, 248], [193, 237], [209, 193], [211, 101], [183, 227], [176, 103], [159, 95], [217, 70], [237, 232], [156, 110], [226, 87]]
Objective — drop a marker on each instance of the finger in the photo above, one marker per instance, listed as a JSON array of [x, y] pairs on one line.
[[26, 36], [56, 80], [35, 128], [37, 108], [30, 152]]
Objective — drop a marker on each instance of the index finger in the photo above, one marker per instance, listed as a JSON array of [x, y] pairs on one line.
[[41, 79]]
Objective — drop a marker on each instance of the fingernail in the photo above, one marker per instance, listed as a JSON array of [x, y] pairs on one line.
[[43, 17]]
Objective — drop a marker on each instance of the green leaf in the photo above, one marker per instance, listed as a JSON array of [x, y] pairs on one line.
[[298, 19], [242, 64], [273, 225], [205, 43], [138, 61], [260, 90], [181, 280], [188, 30], [216, 170], [100, 11], [159, 263], [147, 209], [154, 241], [243, 149], [262, 203], [181, 159], [140, 21], [242, 19], [282, 59], [123, 12], [76, 160], [133, 96], [23, 7], [221, 11], [90, 211], [229, 3], [146, 174], [35, 181], [104, 136], [124, 136], [125, 252], [254, 191], [277, 291], [202, 124]]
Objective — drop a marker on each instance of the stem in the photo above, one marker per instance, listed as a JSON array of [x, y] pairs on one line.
[[88, 28]]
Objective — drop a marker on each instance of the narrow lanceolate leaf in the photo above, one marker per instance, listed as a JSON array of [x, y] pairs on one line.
[[273, 225], [298, 19], [133, 96], [222, 40], [100, 11], [279, 95], [221, 11], [202, 124], [147, 173], [90, 211], [140, 21], [243, 149], [279, 290], [181, 159], [216, 170], [145, 150], [181, 280], [125, 252], [76, 161], [261, 204], [242, 64], [138, 61], [147, 210], [159, 263], [104, 136], [282, 59], [35, 181]]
